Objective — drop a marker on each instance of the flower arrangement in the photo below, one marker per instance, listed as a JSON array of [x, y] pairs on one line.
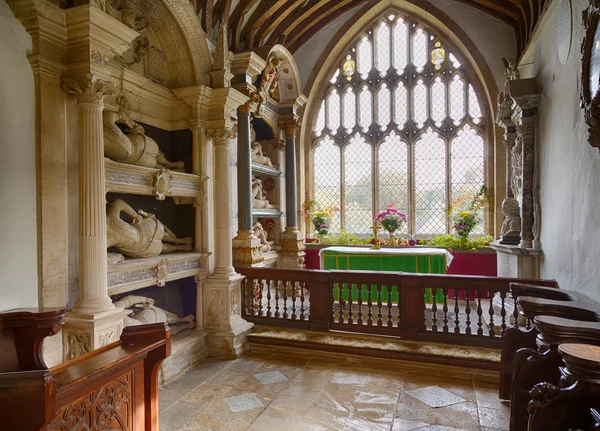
[[320, 218], [391, 219], [467, 215]]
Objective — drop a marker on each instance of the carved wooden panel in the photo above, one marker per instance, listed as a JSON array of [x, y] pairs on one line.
[[110, 408]]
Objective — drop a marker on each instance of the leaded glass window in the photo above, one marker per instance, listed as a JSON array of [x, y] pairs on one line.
[[406, 127]]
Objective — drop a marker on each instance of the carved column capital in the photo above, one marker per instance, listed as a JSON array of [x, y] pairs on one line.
[[222, 137], [290, 125], [88, 88], [252, 104], [195, 129]]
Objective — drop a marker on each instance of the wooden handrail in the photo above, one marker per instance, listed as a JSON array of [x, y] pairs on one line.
[[461, 310]]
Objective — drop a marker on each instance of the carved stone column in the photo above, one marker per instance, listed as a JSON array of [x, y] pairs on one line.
[[526, 96], [246, 247], [292, 240], [94, 321], [226, 330]]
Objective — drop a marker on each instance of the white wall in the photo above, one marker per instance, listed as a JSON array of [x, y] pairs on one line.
[[18, 249], [569, 166]]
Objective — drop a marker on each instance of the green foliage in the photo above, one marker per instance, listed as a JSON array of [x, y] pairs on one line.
[[342, 238], [459, 242]]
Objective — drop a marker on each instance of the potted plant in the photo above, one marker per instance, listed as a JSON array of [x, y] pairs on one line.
[[319, 217], [392, 220]]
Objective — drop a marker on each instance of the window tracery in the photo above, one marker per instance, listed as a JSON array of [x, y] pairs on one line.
[[400, 123]]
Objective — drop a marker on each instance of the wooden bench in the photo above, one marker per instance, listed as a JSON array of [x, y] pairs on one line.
[[532, 301], [112, 388]]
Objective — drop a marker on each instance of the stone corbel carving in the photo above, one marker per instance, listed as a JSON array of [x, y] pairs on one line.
[[162, 184], [135, 54], [161, 271], [590, 85], [78, 344]]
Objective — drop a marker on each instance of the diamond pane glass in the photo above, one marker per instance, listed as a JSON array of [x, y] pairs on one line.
[[327, 178], [382, 48], [400, 45], [430, 184], [365, 103], [320, 124], [419, 103], [333, 112], [393, 175], [358, 186], [467, 167], [474, 107], [457, 99], [438, 101], [349, 109], [379, 101], [364, 56], [419, 52], [400, 106], [384, 109]]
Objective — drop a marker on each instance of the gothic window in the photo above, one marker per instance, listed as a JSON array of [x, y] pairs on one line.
[[400, 122]]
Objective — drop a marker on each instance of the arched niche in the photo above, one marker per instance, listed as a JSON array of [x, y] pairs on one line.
[[177, 53], [264, 131], [290, 86]]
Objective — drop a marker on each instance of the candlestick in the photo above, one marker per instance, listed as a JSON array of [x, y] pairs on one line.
[[375, 228]]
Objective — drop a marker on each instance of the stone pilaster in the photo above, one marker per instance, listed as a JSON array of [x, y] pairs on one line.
[[225, 328], [94, 321], [292, 240]]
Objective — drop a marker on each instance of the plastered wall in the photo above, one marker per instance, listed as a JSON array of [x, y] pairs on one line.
[[18, 250], [569, 166]]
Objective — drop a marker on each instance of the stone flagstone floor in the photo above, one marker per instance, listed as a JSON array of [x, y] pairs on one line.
[[266, 392]]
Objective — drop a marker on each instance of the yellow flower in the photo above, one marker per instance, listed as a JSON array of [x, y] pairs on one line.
[[464, 214]]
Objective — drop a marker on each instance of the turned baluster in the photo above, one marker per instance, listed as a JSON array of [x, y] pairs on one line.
[[350, 320], [369, 306], [456, 311], [268, 302], [468, 312], [277, 314], [293, 285], [390, 323], [360, 313], [445, 309], [433, 313], [302, 286], [341, 301], [479, 315], [491, 313], [285, 298]]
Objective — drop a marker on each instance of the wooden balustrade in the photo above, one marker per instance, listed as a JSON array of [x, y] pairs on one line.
[[466, 310]]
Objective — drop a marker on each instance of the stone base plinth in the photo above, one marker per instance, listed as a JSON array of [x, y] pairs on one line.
[[225, 329], [514, 261], [293, 249], [246, 251], [187, 349], [84, 333]]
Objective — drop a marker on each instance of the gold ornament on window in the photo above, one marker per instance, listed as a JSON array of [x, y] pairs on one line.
[[349, 68], [438, 55]]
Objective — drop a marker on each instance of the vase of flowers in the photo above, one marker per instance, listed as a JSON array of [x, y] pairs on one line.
[[319, 217], [467, 213], [392, 220]]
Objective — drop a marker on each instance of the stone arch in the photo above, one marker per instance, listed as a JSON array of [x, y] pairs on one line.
[[174, 27]]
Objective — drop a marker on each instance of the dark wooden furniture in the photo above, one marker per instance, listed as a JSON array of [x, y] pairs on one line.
[[113, 388], [534, 300], [532, 366], [567, 405]]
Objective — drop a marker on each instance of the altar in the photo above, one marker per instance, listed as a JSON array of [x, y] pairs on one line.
[[400, 259]]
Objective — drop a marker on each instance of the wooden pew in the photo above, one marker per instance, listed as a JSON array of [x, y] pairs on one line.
[[533, 301], [112, 388]]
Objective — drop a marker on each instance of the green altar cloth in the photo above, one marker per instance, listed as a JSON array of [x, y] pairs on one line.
[[410, 259]]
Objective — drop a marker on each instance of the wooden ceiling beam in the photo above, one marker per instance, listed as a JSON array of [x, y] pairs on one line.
[[269, 26], [261, 14], [288, 23], [237, 21], [326, 14]]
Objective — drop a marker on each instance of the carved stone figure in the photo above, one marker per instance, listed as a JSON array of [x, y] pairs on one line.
[[144, 236], [131, 145], [259, 196], [511, 227], [511, 72], [517, 166], [144, 312], [269, 76], [259, 232], [504, 108], [257, 152]]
